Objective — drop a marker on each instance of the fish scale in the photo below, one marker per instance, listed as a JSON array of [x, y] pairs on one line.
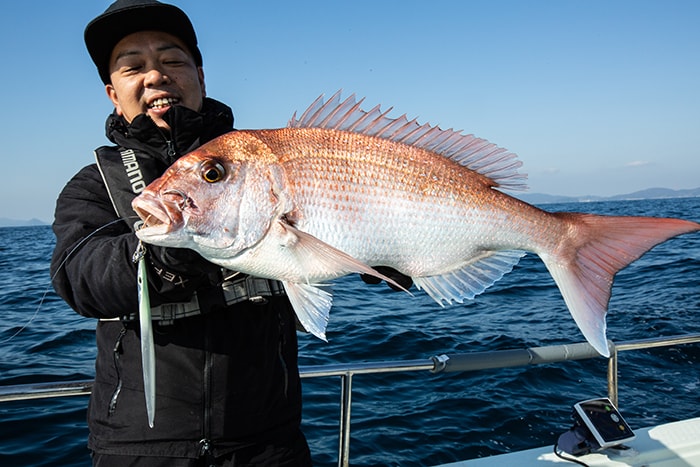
[[382, 190], [341, 190]]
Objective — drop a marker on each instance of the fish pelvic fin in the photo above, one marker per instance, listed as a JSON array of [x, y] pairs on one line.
[[601, 246], [312, 305], [471, 280]]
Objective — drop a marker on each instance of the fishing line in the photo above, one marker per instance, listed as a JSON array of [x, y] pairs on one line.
[[48, 287]]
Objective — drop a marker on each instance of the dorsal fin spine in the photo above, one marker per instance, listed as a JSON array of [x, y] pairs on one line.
[[338, 110], [361, 120], [405, 138], [350, 112], [305, 116], [376, 121], [477, 154]]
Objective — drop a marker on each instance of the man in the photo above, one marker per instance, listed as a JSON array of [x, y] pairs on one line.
[[228, 386]]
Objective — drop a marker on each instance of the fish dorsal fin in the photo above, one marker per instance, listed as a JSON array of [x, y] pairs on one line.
[[469, 281], [474, 153]]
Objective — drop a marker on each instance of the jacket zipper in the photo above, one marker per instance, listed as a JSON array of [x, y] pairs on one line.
[[204, 448], [171, 150], [280, 353], [205, 444]]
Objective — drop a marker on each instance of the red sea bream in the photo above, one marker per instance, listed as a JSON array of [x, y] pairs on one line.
[[341, 190]]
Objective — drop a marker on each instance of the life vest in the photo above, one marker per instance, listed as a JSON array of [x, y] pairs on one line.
[[126, 173]]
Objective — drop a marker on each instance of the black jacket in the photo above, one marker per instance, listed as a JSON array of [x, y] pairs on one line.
[[226, 378]]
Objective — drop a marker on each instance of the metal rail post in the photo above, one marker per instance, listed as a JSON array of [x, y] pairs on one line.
[[345, 409], [612, 376]]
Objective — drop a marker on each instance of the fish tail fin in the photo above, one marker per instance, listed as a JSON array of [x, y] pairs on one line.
[[585, 263]]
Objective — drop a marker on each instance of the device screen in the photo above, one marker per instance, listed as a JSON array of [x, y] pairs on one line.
[[606, 420]]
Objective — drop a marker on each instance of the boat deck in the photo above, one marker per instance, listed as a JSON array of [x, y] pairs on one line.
[[675, 444]]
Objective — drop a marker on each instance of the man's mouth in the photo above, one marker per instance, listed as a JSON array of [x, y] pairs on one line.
[[163, 102]]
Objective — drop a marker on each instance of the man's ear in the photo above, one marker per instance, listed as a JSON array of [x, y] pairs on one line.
[[203, 87], [112, 95]]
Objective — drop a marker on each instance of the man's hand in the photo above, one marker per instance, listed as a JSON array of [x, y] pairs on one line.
[[404, 281]]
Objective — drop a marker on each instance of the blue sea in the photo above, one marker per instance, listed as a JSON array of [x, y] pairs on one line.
[[403, 419]]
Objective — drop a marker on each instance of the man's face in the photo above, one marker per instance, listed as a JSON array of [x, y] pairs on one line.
[[150, 71]]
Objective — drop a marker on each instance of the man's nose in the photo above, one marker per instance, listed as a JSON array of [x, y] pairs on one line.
[[156, 76]]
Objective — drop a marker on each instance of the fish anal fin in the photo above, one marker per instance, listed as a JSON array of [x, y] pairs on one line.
[[586, 265], [471, 280]]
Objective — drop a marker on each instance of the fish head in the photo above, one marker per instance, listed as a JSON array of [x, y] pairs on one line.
[[218, 200]]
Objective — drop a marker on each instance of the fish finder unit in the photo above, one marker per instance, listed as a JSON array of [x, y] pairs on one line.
[[604, 422]]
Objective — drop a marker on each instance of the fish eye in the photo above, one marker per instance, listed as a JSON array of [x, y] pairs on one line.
[[212, 171]]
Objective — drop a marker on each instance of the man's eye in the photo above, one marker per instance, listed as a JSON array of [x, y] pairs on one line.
[[173, 59]]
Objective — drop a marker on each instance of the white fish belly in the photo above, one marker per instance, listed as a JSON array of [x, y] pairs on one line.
[[379, 223]]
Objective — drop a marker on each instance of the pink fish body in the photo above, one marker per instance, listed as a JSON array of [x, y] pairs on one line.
[[341, 190]]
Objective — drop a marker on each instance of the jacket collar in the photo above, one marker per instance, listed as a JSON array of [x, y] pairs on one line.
[[189, 130]]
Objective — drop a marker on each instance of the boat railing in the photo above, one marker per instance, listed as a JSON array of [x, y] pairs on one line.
[[472, 361]]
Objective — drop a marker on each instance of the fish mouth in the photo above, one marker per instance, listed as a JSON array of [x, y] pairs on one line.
[[157, 219]]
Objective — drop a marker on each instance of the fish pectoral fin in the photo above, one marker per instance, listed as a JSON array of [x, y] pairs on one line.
[[318, 258], [312, 306], [469, 281]]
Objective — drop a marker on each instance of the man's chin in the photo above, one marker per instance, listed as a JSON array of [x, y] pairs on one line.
[[160, 123], [158, 114]]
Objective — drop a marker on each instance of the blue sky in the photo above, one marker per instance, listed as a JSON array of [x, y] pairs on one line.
[[595, 97]]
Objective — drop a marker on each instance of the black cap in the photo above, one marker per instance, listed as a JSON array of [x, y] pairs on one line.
[[125, 17]]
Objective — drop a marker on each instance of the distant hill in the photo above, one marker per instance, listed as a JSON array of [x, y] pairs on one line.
[[649, 193], [5, 222], [656, 193]]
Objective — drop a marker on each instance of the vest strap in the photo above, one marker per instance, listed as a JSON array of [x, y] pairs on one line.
[[248, 288]]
